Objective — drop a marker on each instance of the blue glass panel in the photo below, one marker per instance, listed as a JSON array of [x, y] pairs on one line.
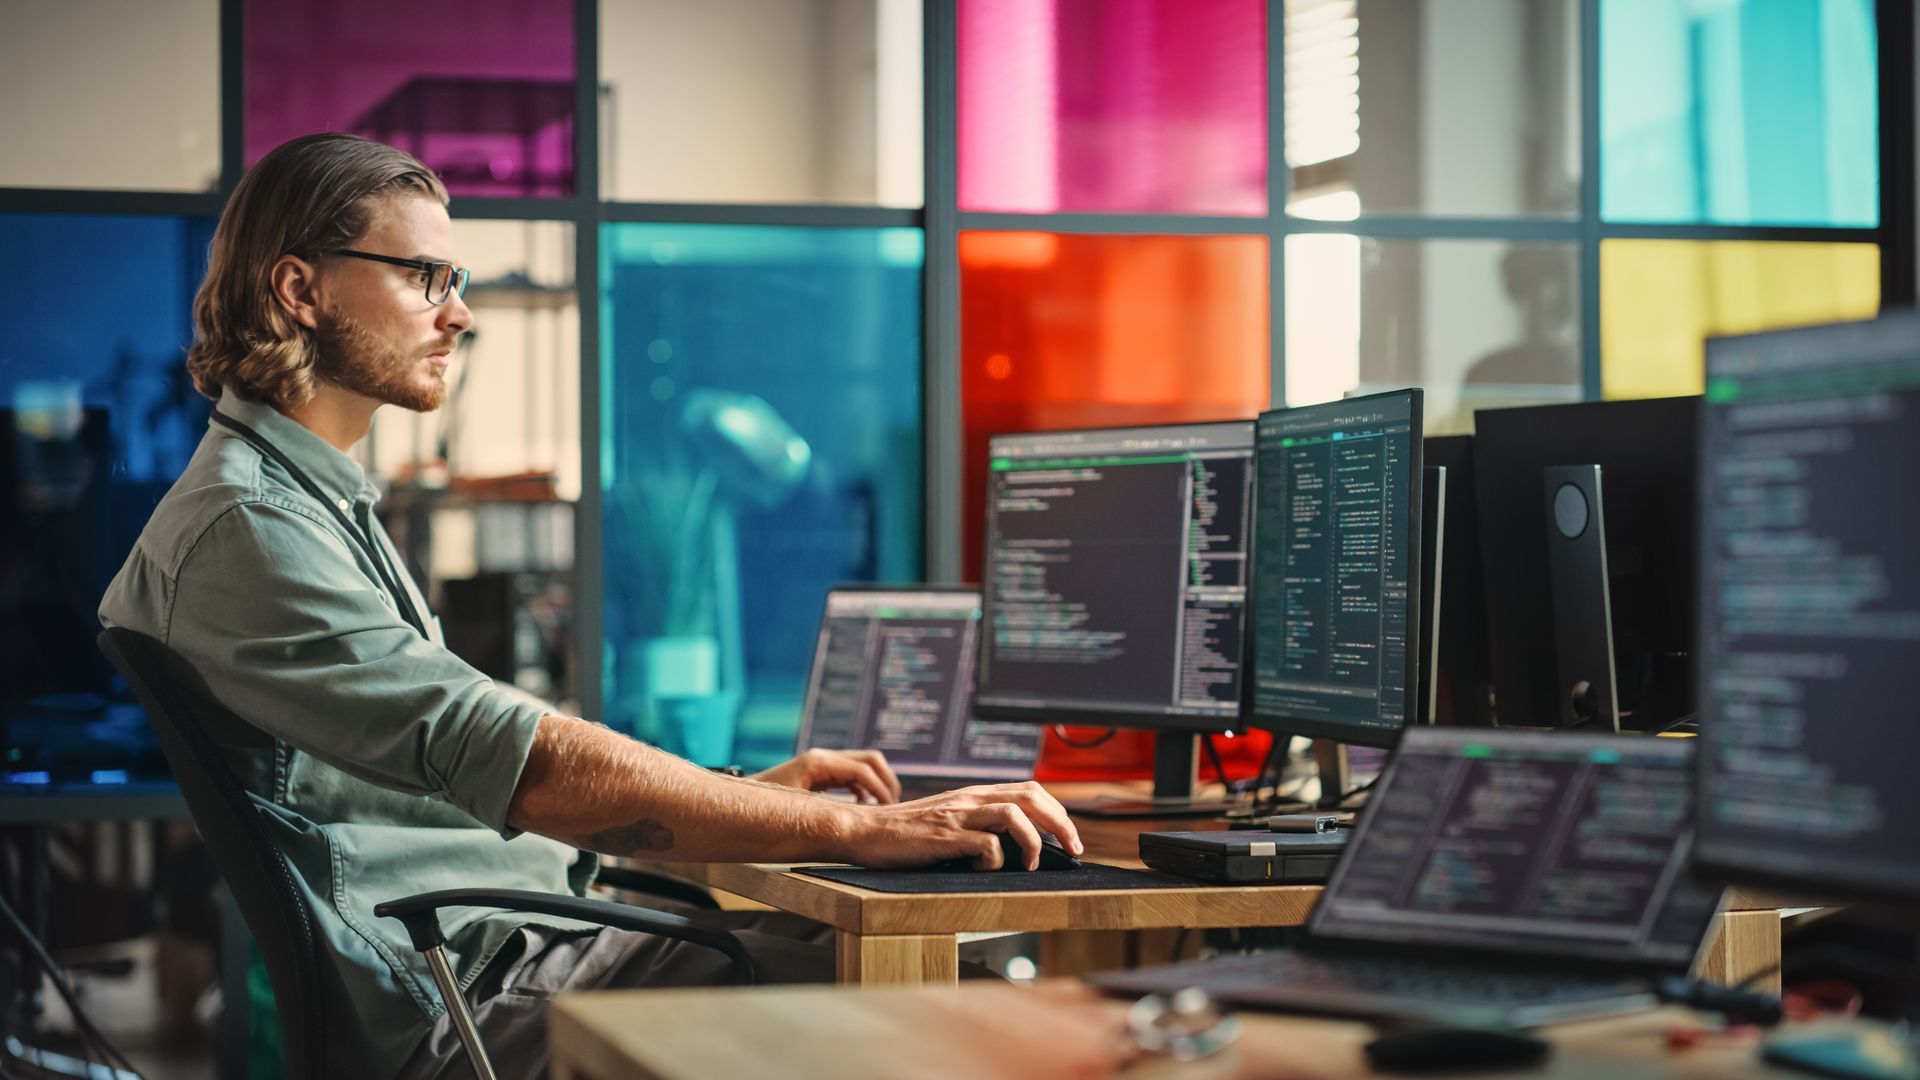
[[97, 417], [1739, 112], [760, 443]]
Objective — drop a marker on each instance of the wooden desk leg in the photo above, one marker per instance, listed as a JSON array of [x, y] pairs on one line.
[[1082, 952], [1745, 943], [896, 959]]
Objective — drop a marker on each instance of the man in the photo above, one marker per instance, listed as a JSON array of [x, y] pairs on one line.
[[384, 764]]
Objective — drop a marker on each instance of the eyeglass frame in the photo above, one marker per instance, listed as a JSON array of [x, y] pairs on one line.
[[457, 276]]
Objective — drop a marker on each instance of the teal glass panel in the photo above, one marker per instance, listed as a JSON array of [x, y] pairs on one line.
[[1739, 112], [760, 443]]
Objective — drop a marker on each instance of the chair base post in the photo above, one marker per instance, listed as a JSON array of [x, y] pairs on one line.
[[457, 1012]]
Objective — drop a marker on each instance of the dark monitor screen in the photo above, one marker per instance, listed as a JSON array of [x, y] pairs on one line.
[[1336, 589], [1463, 693], [68, 517], [893, 671], [1116, 575], [1810, 607], [1642, 448], [1527, 841]]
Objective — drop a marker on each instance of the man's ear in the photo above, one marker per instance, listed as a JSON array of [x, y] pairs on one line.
[[293, 281]]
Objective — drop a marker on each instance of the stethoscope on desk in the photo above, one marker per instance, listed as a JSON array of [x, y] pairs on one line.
[[387, 579]]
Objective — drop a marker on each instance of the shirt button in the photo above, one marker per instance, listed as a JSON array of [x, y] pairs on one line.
[[344, 504]]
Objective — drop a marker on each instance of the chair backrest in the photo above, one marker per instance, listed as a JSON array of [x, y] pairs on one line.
[[255, 870]]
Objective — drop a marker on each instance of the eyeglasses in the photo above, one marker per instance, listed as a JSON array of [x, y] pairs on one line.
[[443, 278]]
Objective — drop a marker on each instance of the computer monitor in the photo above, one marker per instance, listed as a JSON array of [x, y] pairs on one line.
[[67, 521], [1334, 611], [1527, 841], [1462, 673], [893, 671], [1116, 576], [1809, 603], [1589, 596]]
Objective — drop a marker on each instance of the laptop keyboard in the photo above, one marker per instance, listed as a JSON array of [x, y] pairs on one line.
[[1401, 977]]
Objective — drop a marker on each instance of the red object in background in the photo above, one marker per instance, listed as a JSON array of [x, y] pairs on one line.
[[1075, 331], [1129, 755]]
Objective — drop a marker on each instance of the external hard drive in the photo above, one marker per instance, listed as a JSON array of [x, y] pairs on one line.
[[1244, 857]]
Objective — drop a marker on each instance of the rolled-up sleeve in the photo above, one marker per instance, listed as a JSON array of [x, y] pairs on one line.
[[294, 637]]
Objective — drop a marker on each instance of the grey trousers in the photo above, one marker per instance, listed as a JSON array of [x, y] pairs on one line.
[[510, 998]]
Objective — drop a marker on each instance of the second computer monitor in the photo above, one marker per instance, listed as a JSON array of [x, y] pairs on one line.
[[1639, 609], [1336, 574], [1116, 572]]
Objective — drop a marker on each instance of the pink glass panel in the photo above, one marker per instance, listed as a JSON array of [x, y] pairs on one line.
[[483, 93], [1154, 106]]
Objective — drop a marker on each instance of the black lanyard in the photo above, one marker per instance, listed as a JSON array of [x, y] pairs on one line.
[[389, 580]]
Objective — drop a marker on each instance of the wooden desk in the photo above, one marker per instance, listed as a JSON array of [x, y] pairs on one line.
[[1058, 1029], [912, 938]]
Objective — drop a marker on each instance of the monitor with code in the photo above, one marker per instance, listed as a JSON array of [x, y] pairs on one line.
[[893, 671], [1336, 567], [1116, 574]]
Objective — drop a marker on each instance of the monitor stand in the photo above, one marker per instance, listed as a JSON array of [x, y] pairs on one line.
[[1336, 776], [1175, 775], [1585, 680]]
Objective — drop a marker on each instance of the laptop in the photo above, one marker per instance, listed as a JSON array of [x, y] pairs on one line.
[[893, 671], [1496, 878]]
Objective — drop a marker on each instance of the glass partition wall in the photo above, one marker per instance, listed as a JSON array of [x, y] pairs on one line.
[[755, 281]]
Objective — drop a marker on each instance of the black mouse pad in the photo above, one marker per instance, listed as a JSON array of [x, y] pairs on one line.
[[1089, 877]]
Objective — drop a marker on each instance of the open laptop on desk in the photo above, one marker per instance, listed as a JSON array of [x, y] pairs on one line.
[[1498, 877], [893, 671]]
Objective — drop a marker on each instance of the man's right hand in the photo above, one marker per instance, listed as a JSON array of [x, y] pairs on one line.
[[961, 823]]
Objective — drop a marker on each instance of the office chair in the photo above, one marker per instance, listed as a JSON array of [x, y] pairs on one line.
[[305, 987]]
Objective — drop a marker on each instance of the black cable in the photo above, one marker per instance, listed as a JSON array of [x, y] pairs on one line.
[[1733, 1002], [1356, 790], [1267, 766], [1219, 767], [98, 1043], [1686, 718], [1060, 732]]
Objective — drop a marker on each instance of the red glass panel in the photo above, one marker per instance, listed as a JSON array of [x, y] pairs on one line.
[[1065, 331]]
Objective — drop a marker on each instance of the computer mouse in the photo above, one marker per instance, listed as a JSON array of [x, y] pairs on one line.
[[1053, 856], [1442, 1049]]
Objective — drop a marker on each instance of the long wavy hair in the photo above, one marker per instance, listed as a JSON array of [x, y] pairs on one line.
[[308, 197]]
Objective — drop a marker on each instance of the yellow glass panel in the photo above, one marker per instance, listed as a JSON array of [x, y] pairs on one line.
[[1661, 299]]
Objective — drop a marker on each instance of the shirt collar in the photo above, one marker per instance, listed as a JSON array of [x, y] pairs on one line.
[[338, 475]]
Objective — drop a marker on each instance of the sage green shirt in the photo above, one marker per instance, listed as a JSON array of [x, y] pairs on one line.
[[382, 762]]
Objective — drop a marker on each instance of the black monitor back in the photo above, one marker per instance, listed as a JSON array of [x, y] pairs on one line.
[[67, 521], [1646, 452], [1465, 668]]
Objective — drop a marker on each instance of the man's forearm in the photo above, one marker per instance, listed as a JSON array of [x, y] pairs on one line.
[[596, 789]]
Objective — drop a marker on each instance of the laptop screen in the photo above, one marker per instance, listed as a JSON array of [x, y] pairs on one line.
[[1568, 844], [893, 671]]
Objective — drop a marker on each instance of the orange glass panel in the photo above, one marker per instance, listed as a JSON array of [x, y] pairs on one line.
[[1065, 331]]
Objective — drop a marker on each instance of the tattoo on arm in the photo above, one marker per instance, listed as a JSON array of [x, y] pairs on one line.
[[645, 835]]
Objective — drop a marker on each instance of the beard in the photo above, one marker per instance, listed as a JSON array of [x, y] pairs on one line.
[[354, 358]]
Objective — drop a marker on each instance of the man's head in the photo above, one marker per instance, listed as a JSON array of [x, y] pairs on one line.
[[282, 308]]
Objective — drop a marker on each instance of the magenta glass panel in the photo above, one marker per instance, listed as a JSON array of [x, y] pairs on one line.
[[1113, 105], [482, 92]]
